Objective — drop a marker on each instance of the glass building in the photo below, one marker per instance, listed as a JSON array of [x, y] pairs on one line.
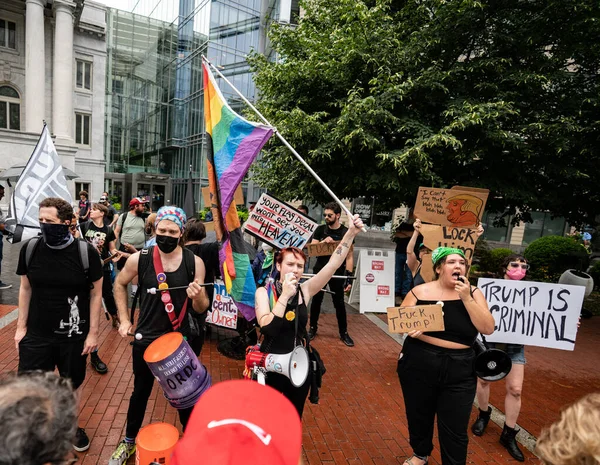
[[154, 125]]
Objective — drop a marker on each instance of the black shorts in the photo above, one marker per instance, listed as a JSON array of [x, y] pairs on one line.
[[40, 354]]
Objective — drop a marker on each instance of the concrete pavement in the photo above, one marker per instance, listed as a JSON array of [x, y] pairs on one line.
[[360, 418]]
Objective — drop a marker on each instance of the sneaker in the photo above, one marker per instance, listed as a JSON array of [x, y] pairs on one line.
[[82, 442], [4, 285], [312, 333], [123, 451], [346, 339], [98, 364]]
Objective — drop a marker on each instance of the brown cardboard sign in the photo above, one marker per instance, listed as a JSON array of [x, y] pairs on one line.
[[419, 318], [321, 249], [238, 197], [445, 236], [457, 207], [426, 270]]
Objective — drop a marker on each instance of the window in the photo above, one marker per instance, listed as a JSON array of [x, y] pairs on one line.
[[84, 75], [8, 34], [10, 108], [81, 186], [543, 225], [82, 129]]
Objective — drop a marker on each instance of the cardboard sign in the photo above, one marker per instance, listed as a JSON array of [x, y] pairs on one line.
[[321, 249], [446, 236], [238, 196], [419, 318], [223, 311], [426, 270], [533, 314], [458, 207], [279, 224]]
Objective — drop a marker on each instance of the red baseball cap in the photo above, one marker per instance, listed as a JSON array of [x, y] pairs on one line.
[[137, 201], [241, 422]]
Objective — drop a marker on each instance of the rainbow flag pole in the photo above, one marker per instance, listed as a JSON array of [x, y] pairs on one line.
[[282, 139]]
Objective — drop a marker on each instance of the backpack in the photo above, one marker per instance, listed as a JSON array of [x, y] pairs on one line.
[[84, 258]]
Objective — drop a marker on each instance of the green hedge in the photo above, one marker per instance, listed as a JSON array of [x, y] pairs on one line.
[[550, 256]]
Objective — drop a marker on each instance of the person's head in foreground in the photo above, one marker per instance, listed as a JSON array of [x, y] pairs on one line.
[[38, 419], [241, 422], [575, 438]]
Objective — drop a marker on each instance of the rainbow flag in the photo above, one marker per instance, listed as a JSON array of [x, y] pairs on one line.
[[232, 145]]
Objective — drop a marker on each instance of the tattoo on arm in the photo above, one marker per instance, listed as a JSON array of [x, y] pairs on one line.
[[338, 251], [345, 244]]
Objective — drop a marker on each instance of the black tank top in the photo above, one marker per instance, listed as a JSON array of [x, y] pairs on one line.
[[457, 323], [284, 342], [153, 320]]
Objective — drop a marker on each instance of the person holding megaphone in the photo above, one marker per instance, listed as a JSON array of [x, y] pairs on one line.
[[281, 310], [436, 369]]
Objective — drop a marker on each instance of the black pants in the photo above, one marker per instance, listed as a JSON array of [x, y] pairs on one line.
[[296, 395], [336, 285], [143, 381], [437, 381], [107, 292]]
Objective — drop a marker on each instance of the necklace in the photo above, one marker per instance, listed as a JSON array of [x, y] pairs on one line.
[[440, 302]]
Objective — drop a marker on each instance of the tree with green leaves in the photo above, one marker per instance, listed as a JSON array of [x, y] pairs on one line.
[[382, 96]]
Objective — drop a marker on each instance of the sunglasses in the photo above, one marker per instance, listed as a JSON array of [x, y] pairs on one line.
[[329, 215], [525, 266]]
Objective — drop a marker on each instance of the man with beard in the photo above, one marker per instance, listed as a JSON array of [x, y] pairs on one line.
[[131, 233], [173, 267], [59, 301], [332, 231]]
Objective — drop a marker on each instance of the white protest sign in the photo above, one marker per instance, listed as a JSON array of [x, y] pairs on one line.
[[223, 311], [375, 287], [279, 224], [532, 313]]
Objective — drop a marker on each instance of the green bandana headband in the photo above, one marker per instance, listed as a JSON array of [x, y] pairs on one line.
[[442, 252]]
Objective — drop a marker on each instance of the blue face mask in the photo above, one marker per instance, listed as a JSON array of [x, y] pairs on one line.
[[55, 234]]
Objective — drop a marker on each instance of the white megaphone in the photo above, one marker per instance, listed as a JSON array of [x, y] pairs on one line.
[[293, 365]]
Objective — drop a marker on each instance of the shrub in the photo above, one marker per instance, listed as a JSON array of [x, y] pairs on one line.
[[550, 256], [495, 259]]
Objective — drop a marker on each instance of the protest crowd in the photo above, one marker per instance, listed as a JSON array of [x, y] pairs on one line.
[[155, 278]]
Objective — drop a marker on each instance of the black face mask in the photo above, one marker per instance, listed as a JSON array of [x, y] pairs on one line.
[[166, 244], [55, 234]]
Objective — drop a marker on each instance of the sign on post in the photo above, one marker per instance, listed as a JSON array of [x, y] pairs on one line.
[[419, 318], [459, 207], [223, 311], [279, 224], [375, 273], [532, 313]]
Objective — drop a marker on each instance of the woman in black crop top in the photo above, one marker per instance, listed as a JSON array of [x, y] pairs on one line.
[[277, 311], [436, 368]]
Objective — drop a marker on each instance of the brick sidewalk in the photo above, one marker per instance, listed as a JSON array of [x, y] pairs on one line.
[[360, 419]]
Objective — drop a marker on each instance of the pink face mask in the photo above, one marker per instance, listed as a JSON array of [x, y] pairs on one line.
[[516, 274]]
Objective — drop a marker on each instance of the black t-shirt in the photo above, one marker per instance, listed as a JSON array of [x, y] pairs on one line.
[[59, 309], [402, 242], [99, 237], [321, 233], [84, 206], [110, 216], [209, 253]]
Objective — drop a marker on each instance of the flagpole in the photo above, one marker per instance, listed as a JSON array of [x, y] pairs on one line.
[[282, 139]]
